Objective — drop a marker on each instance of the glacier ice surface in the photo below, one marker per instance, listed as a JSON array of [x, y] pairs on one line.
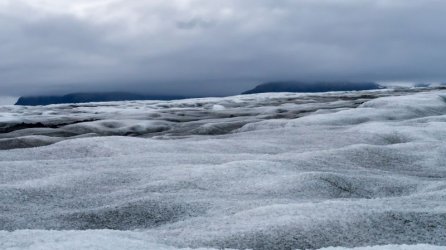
[[278, 171]]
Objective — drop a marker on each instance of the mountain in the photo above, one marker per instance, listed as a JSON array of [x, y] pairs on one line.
[[293, 86], [286, 86], [90, 97]]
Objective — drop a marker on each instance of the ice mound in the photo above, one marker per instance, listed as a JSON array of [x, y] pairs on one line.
[[27, 141], [392, 247], [118, 127], [85, 240], [133, 215], [110, 240], [176, 119], [385, 109], [280, 171]]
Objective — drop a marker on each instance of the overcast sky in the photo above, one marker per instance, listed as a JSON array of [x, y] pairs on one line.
[[215, 47]]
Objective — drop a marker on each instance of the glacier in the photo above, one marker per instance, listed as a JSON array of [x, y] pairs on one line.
[[338, 170]]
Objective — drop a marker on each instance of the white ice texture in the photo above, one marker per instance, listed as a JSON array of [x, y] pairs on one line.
[[267, 171]]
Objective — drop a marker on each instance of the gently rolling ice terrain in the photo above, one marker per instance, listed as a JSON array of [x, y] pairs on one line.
[[262, 171]]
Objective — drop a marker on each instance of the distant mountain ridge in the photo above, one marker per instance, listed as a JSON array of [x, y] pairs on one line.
[[90, 97], [294, 86], [285, 86]]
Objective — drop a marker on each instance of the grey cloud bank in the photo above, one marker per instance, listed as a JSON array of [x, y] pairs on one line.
[[7, 100], [214, 47]]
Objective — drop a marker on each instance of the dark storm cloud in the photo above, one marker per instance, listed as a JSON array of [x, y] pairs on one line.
[[215, 47]]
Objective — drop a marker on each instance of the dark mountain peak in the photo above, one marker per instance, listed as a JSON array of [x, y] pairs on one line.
[[295, 86]]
